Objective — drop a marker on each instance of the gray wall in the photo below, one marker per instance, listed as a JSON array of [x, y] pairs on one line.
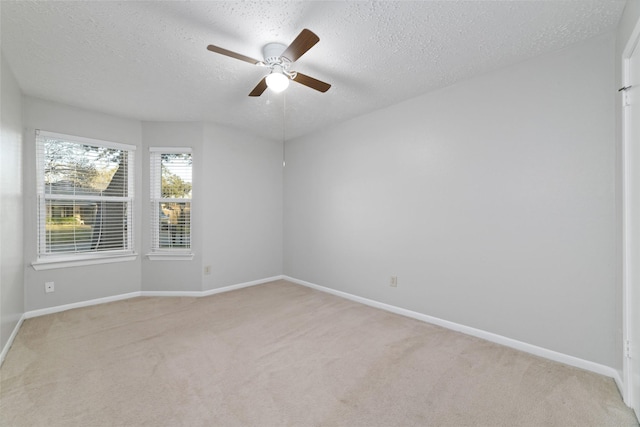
[[237, 221], [242, 208], [493, 201], [11, 204], [237, 226], [166, 275], [75, 284]]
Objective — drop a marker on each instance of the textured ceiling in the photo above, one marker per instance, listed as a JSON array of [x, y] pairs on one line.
[[148, 60]]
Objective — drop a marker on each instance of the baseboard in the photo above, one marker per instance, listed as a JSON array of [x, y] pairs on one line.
[[12, 337], [498, 339], [171, 293], [241, 285], [209, 291], [65, 307]]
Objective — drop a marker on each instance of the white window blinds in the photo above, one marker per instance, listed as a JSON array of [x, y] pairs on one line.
[[171, 194], [85, 190]]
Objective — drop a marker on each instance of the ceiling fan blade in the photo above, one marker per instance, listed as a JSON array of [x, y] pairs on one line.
[[305, 41], [261, 87], [235, 55], [312, 83]]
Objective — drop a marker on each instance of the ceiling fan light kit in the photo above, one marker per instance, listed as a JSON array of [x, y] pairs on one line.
[[278, 58], [277, 82]]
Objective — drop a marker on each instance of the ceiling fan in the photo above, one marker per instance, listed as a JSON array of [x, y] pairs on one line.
[[278, 58]]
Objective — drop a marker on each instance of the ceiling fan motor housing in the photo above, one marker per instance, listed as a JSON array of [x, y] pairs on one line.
[[272, 53]]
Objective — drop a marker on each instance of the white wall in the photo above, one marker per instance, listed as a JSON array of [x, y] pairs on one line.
[[242, 208], [11, 204], [75, 284], [493, 201], [174, 275]]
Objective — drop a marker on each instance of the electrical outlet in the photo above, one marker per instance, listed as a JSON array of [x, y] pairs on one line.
[[393, 282], [207, 270], [49, 287]]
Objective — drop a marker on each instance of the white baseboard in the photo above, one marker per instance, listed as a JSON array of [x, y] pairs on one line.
[[170, 293], [65, 307], [209, 291], [12, 337], [241, 285], [499, 339]]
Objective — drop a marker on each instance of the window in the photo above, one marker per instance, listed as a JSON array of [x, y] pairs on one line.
[[171, 188], [85, 190]]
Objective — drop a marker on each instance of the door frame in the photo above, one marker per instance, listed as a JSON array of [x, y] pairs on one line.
[[628, 187]]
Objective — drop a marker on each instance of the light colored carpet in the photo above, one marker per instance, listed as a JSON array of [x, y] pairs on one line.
[[280, 354]]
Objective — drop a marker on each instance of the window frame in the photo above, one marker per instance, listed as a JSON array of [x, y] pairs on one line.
[[157, 253], [50, 260]]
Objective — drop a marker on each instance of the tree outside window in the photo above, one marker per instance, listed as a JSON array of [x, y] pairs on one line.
[[171, 182], [85, 195]]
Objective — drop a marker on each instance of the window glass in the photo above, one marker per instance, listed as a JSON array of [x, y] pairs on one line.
[[85, 195], [171, 193]]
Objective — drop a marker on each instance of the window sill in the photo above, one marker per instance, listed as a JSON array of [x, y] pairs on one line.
[[170, 256], [65, 262]]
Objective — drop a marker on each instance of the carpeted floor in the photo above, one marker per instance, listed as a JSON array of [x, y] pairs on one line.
[[280, 354]]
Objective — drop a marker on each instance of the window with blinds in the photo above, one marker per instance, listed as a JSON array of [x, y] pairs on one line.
[[85, 190], [171, 192]]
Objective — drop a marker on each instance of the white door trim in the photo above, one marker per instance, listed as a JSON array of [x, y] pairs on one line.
[[628, 188]]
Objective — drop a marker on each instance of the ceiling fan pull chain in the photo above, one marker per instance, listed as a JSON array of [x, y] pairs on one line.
[[284, 126]]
